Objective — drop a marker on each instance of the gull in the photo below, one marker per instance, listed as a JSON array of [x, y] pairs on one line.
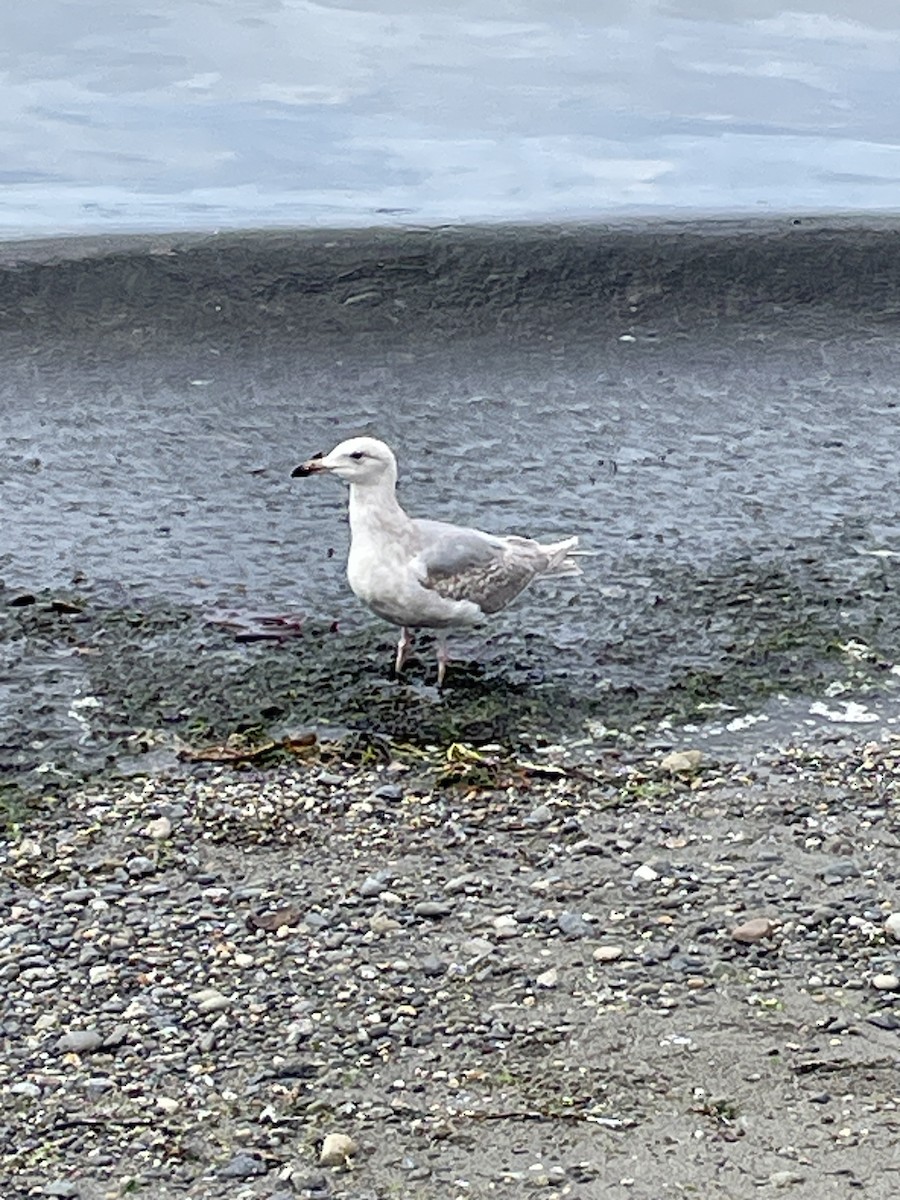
[[422, 574]]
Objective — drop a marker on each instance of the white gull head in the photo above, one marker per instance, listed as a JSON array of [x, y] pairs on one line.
[[363, 461]]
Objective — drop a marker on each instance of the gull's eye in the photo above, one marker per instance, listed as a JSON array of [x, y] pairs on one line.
[[357, 454]]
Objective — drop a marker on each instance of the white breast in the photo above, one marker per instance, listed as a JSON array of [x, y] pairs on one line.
[[381, 575]]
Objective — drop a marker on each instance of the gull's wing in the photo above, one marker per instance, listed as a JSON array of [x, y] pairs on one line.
[[466, 564]]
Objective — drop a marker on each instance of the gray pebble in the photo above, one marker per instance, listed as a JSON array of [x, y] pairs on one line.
[[433, 966], [389, 791], [648, 988], [210, 1000], [98, 1084], [116, 1037], [330, 780], [61, 1187], [540, 816], [459, 883], [433, 908], [140, 865], [243, 1166], [25, 1088], [782, 1179], [81, 1041], [820, 916], [839, 870], [373, 886], [690, 964], [573, 924], [476, 947], [302, 1182]]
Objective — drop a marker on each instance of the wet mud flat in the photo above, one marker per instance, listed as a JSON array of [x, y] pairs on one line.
[[94, 687]]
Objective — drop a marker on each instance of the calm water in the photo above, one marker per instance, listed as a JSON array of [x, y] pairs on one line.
[[233, 113]]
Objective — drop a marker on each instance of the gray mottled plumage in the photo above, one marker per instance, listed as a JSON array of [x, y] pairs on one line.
[[465, 564]]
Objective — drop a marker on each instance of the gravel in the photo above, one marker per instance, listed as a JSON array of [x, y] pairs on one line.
[[216, 982]]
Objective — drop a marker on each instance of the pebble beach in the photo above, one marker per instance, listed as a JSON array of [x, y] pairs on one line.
[[463, 975]]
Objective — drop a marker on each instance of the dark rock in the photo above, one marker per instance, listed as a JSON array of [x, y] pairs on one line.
[[839, 870], [884, 1020]]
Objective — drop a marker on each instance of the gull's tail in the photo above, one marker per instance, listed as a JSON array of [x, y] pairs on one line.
[[560, 557]]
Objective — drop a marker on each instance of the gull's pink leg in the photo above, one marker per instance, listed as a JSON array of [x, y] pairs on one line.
[[443, 658], [403, 648]]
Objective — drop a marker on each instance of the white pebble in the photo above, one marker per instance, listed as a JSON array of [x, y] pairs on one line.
[[886, 982], [208, 1000], [645, 874], [608, 953], [682, 762], [337, 1148], [159, 829]]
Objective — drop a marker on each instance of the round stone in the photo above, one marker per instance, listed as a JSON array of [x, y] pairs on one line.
[[337, 1149], [752, 931], [606, 954]]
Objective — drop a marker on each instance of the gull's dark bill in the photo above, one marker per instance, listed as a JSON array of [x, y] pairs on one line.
[[312, 466]]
